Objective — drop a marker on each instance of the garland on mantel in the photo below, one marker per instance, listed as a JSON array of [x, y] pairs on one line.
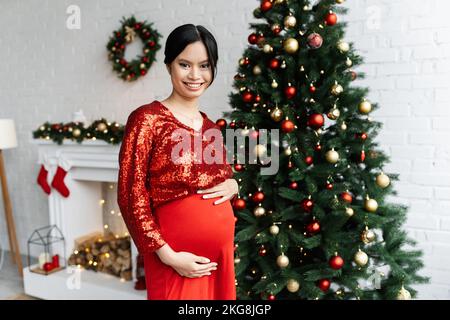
[[111, 132]]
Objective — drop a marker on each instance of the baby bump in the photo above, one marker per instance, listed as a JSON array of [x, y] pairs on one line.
[[197, 225]]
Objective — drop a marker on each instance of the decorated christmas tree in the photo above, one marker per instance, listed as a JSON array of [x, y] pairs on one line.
[[320, 226]]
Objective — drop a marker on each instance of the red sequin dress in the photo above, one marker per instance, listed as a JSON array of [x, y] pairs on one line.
[[157, 194]]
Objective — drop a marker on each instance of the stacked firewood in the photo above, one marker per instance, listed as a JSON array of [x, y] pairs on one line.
[[104, 254]]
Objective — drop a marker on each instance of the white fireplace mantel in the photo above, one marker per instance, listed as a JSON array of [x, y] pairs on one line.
[[91, 163]]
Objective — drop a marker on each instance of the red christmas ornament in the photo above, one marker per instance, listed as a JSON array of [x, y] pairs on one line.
[[315, 40], [363, 156], [274, 64], [143, 72], [293, 185], [258, 197], [331, 19], [144, 59], [324, 284], [316, 120], [260, 39], [313, 227], [290, 92], [336, 262], [329, 186], [309, 160], [247, 97], [239, 204], [312, 89], [271, 297], [290, 165], [287, 126], [307, 205], [318, 147], [354, 75], [222, 123], [363, 136], [276, 29], [258, 98], [253, 38], [238, 167], [151, 43], [235, 219], [266, 6], [232, 124], [262, 251], [347, 197], [137, 25]]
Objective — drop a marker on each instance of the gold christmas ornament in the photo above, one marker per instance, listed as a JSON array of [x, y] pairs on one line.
[[403, 294], [332, 156], [267, 48], [282, 261], [333, 114], [340, 1], [383, 180], [260, 150], [259, 211], [368, 236], [257, 70], [288, 151], [365, 107], [130, 34], [42, 128], [343, 126], [343, 46], [290, 22], [348, 62], [142, 65], [274, 230], [370, 205], [292, 285], [279, 1], [349, 211], [283, 65], [76, 132], [101, 126], [276, 114], [337, 89], [274, 84], [237, 260], [290, 45], [361, 258]]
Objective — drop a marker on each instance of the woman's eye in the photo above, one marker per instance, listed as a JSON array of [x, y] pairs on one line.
[[206, 66], [183, 65]]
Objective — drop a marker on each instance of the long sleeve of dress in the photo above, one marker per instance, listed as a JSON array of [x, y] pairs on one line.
[[133, 194]]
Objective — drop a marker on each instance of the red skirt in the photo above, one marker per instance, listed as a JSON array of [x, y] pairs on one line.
[[195, 225]]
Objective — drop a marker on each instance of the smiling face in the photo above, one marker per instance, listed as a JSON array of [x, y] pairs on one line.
[[191, 72]]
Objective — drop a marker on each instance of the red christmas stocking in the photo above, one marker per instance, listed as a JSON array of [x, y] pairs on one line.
[[58, 182], [42, 180]]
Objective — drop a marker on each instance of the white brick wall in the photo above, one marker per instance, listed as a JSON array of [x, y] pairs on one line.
[[50, 72]]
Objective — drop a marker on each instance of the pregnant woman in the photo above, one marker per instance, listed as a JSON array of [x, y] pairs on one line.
[[175, 204]]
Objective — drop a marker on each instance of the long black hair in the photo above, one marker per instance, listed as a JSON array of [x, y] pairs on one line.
[[186, 34]]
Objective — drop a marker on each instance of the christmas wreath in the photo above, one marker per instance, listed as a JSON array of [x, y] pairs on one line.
[[132, 70]]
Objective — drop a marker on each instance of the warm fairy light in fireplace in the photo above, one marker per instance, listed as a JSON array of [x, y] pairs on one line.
[[106, 226], [111, 186], [75, 252], [112, 212], [126, 234], [102, 202], [90, 262], [107, 255]]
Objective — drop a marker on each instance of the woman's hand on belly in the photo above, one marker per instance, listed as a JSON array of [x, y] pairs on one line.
[[226, 190], [186, 264]]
